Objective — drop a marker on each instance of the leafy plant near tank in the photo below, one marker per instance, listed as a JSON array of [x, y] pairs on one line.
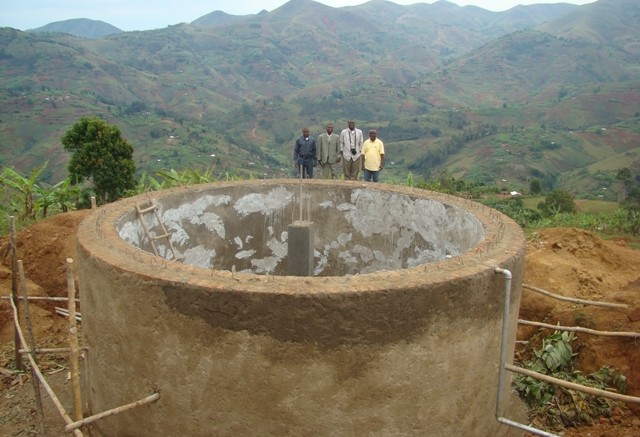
[[29, 199], [554, 407]]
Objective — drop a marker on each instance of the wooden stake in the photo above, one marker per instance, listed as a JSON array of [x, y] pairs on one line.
[[73, 344], [32, 346], [47, 387], [14, 291]]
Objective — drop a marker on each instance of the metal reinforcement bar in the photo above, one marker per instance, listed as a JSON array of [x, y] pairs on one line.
[[524, 427]]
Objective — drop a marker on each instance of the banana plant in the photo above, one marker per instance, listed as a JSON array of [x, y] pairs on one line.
[[61, 197], [22, 191], [187, 177]]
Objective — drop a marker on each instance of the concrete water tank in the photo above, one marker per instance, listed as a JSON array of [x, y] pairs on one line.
[[396, 333]]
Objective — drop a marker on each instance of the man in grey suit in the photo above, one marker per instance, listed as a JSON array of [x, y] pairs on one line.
[[328, 152]]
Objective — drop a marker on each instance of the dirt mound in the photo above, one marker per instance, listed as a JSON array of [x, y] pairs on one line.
[[581, 264], [568, 262], [577, 263], [44, 248]]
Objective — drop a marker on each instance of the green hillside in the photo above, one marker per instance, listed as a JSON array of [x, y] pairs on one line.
[[543, 91]]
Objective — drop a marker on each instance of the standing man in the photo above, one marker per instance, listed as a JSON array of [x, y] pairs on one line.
[[373, 157], [328, 152], [351, 146], [304, 154]]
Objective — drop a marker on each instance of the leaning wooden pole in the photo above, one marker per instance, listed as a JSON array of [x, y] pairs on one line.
[[574, 299], [41, 378], [73, 344], [47, 298], [121, 409], [14, 291], [32, 347]]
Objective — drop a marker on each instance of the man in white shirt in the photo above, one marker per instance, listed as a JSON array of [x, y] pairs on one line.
[[351, 146]]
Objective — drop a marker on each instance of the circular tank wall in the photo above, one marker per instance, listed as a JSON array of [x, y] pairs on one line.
[[358, 230], [398, 332]]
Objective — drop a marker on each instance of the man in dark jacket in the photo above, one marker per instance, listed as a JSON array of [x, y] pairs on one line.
[[304, 154]]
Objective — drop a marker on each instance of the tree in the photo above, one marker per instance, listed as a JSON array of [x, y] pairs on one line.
[[624, 175], [535, 187], [632, 201], [558, 201], [100, 155]]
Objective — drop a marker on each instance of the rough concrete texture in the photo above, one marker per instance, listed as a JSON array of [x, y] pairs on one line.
[[244, 228], [300, 253], [410, 351]]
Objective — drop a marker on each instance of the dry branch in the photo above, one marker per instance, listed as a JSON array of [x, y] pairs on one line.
[[117, 410], [580, 329], [55, 350], [49, 298], [572, 385], [573, 299]]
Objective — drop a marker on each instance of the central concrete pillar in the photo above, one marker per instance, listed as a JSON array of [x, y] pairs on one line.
[[300, 248]]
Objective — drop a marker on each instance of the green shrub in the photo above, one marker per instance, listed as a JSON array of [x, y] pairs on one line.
[[554, 407], [556, 202]]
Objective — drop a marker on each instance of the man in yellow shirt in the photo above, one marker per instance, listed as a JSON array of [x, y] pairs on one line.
[[373, 154]]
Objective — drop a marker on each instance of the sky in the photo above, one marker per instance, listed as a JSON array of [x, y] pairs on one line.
[[131, 15]]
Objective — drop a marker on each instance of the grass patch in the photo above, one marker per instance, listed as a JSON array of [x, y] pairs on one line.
[[597, 207], [532, 202]]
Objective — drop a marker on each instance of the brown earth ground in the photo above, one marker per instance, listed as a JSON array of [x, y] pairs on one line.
[[569, 262]]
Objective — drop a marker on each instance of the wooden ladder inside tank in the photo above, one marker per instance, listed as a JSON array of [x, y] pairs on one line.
[[165, 234]]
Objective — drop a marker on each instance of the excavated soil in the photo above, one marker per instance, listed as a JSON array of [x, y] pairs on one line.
[[569, 262]]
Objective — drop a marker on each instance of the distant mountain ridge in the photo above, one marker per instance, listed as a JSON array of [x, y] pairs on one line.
[[82, 27], [440, 83], [439, 12]]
